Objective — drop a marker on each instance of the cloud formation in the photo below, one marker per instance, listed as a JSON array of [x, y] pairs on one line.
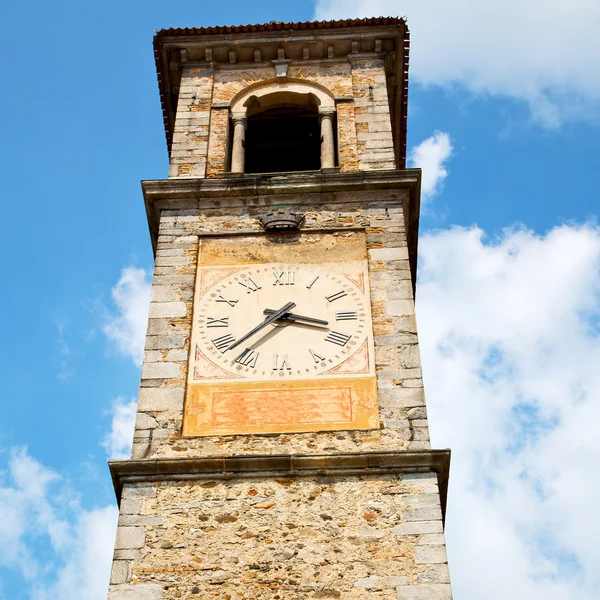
[[119, 439], [59, 549], [126, 327], [431, 155], [542, 52], [509, 333]]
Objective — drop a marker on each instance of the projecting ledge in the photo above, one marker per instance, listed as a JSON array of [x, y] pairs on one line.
[[289, 465]]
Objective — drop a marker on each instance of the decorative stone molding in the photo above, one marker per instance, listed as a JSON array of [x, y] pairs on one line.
[[281, 219], [289, 465]]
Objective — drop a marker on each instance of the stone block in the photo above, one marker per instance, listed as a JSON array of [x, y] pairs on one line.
[[157, 399], [128, 554], [418, 528], [385, 254], [144, 421], [432, 539], [399, 397], [163, 342], [425, 592], [141, 591], [374, 581], [399, 308], [131, 537], [120, 572], [172, 261], [130, 507], [430, 554], [140, 520], [421, 499], [163, 293], [410, 357], [177, 355], [161, 370], [167, 309], [138, 491], [153, 356], [435, 574]]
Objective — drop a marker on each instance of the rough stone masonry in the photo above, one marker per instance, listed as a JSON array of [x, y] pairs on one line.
[[286, 516]]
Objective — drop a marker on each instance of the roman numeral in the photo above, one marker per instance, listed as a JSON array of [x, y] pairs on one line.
[[316, 357], [348, 315], [214, 322], [284, 277], [250, 285], [311, 283], [248, 358], [336, 296], [223, 342], [336, 337], [230, 302], [281, 364]]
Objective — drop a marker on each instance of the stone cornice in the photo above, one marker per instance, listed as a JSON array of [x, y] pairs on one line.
[[250, 190], [288, 465]]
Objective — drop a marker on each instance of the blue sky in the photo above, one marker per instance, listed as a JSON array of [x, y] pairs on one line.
[[507, 135]]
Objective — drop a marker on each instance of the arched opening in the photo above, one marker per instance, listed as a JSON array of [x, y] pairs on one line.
[[285, 138], [283, 127]]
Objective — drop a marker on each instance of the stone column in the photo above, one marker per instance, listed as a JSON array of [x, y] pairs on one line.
[[238, 151], [327, 143]]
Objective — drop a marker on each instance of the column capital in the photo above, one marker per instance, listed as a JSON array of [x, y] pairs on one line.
[[239, 118], [326, 112]]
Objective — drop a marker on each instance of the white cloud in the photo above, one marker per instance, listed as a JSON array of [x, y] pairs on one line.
[[127, 328], [510, 339], [119, 439], [431, 156], [543, 52], [60, 549]]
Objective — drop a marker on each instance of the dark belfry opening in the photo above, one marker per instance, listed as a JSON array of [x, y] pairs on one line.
[[286, 138]]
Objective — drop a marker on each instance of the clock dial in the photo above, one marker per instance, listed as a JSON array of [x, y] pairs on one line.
[[321, 319]]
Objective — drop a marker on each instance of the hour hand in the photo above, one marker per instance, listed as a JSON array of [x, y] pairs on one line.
[[294, 317], [277, 314]]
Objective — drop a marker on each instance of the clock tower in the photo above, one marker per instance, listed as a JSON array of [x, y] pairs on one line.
[[281, 447]]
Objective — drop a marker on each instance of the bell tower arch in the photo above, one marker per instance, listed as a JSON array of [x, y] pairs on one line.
[[283, 126], [281, 447]]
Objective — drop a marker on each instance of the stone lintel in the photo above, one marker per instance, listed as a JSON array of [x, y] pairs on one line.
[[289, 188], [281, 466]]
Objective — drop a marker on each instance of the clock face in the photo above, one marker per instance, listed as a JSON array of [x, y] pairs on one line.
[[328, 321]]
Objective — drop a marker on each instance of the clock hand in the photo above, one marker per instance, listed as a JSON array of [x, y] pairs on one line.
[[272, 318], [295, 317]]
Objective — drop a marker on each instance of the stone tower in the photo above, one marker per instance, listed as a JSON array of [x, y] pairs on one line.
[[281, 447]]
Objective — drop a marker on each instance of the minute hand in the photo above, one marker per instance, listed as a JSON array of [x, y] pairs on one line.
[[295, 317], [274, 317]]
